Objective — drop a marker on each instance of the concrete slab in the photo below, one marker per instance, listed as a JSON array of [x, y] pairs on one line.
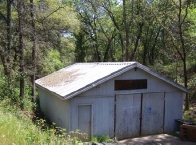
[[161, 139]]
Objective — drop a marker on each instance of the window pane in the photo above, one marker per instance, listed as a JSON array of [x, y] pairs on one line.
[[130, 84]]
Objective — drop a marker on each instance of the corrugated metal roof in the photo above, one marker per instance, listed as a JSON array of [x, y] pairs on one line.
[[80, 77]]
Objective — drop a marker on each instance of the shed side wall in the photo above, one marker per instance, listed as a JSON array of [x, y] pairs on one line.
[[55, 109]]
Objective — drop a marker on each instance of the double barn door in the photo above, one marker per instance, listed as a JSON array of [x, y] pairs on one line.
[[138, 114]]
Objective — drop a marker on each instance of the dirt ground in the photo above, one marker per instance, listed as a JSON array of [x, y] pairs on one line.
[[161, 139]]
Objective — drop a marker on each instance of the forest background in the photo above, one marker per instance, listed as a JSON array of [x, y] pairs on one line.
[[42, 36]]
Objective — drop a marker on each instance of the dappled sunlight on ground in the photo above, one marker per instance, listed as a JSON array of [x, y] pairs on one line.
[[161, 139]]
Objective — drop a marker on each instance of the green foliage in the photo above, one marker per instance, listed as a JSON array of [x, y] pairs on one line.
[[43, 27], [51, 62], [67, 54], [9, 93], [17, 128], [8, 89], [190, 114], [101, 139]]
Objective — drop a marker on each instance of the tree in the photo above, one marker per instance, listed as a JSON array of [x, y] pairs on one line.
[[177, 29], [33, 39], [5, 49], [20, 6], [97, 30], [31, 31], [183, 37]]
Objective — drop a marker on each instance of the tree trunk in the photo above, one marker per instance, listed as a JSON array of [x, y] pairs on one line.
[[21, 49], [122, 47], [184, 70], [137, 41], [106, 54], [8, 29], [126, 29], [146, 42], [98, 56], [152, 56], [186, 85], [144, 54], [5, 56], [33, 38], [180, 23]]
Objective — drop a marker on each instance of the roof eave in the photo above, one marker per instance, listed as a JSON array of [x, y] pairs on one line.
[[55, 94]]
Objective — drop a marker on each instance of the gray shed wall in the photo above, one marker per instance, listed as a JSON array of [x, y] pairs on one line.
[[54, 108], [173, 110], [154, 85], [102, 114]]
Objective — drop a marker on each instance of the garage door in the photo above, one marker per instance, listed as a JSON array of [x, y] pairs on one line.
[[138, 114]]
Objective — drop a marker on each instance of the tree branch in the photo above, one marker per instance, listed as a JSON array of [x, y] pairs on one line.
[[186, 13], [172, 37], [60, 7]]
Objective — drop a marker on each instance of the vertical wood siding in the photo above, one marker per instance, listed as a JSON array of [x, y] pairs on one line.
[[127, 116], [152, 113], [153, 85], [54, 108], [102, 114]]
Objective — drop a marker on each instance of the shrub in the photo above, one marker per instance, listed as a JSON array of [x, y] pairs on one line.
[[101, 139]]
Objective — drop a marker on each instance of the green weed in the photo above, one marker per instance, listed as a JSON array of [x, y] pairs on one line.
[[16, 128], [101, 139], [174, 134]]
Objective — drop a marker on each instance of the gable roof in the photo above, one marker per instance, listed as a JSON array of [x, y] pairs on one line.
[[80, 77]]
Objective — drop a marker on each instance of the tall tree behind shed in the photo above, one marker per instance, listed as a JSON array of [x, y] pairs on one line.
[[33, 38], [20, 12]]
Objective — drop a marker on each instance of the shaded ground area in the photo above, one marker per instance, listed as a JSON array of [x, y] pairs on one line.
[[161, 139]]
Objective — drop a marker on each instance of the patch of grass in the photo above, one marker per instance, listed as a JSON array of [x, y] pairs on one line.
[[101, 139], [174, 134], [16, 128]]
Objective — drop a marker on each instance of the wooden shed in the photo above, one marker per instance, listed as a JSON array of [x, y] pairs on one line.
[[119, 99]]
